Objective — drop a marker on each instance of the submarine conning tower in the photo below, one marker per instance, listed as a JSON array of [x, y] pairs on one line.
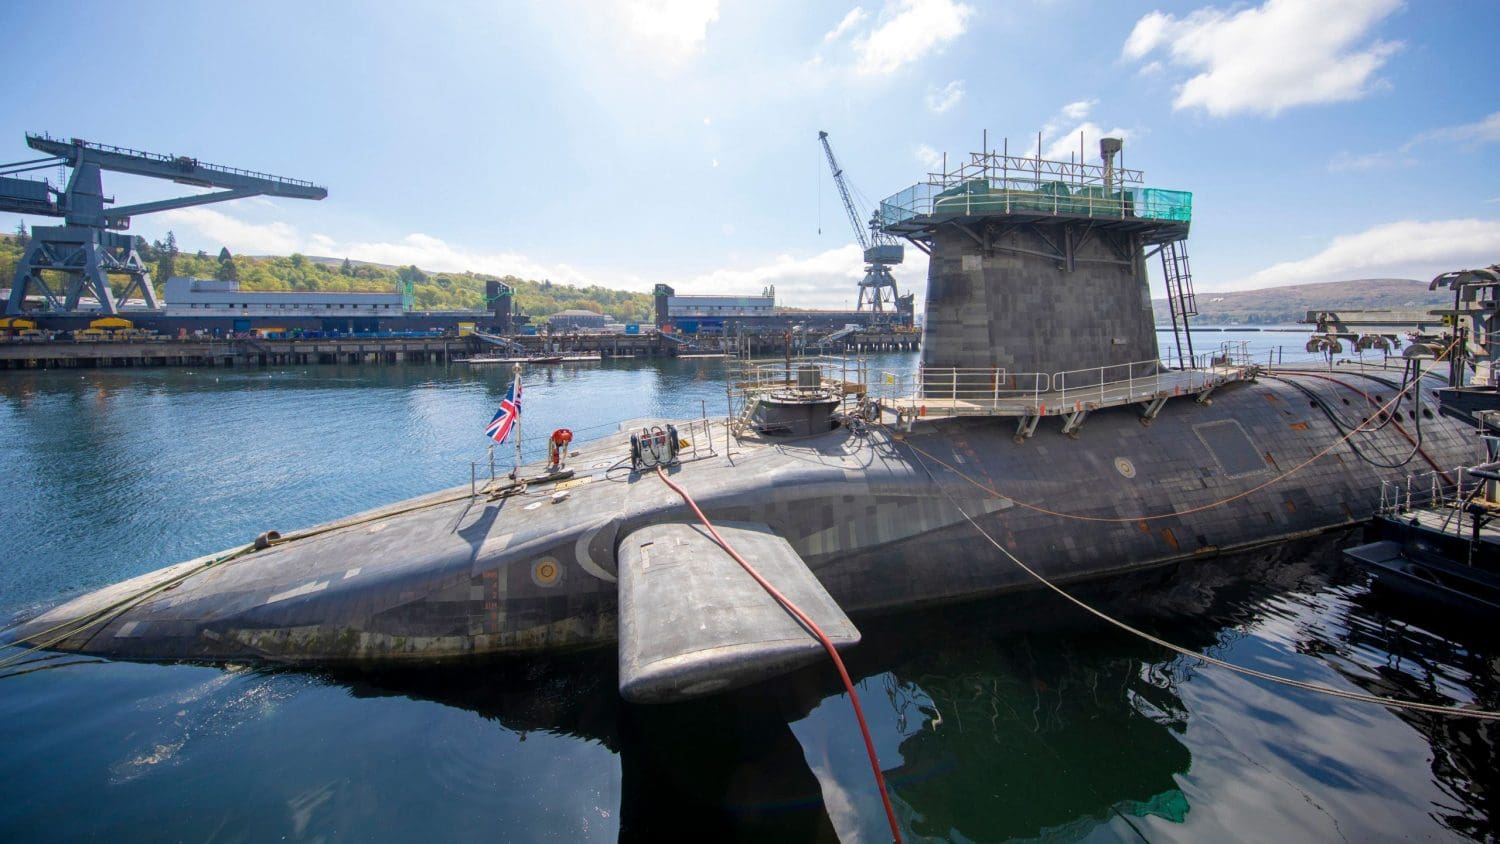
[[1038, 267]]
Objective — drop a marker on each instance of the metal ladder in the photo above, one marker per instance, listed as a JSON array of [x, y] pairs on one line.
[[1181, 301]]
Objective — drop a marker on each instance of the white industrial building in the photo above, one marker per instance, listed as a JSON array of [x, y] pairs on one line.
[[206, 297], [719, 306]]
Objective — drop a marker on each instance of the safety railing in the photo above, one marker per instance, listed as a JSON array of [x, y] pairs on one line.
[[949, 390], [846, 378], [1432, 491], [965, 389], [849, 375], [1427, 490], [1101, 383]]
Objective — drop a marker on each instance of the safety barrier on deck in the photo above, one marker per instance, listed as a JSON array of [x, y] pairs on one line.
[[998, 392]]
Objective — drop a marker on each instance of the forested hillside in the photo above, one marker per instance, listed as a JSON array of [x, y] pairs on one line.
[[299, 272], [1283, 305]]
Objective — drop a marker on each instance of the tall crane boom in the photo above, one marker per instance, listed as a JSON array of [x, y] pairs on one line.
[[881, 250], [83, 204], [838, 179], [88, 247]]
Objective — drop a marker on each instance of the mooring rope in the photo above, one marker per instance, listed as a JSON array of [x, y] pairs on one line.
[[1412, 705]]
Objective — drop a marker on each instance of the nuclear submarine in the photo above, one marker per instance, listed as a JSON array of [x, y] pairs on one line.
[[1042, 426]]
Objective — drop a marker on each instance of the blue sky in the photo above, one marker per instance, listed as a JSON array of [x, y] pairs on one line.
[[626, 143]]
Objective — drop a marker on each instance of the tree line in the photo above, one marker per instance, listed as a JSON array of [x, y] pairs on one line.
[[430, 291]]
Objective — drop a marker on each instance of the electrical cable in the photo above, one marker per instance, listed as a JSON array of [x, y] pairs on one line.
[[1385, 410], [813, 628], [1342, 426]]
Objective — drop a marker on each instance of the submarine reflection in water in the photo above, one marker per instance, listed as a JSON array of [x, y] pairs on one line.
[[1025, 721], [1018, 718]]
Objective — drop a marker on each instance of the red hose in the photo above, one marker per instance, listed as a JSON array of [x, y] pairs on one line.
[[1417, 393], [890, 813]]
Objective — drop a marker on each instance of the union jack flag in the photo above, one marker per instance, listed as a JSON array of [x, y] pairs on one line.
[[506, 416]]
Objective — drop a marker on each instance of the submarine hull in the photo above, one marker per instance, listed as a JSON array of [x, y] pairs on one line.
[[878, 517]]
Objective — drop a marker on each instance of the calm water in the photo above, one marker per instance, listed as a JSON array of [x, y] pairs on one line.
[[1012, 719]]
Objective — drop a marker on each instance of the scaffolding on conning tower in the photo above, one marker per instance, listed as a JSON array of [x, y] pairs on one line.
[[1031, 188], [998, 183], [1038, 299]]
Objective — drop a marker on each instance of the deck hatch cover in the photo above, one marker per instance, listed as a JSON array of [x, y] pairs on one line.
[[1231, 448]]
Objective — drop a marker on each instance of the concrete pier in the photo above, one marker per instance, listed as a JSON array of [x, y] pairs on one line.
[[67, 354], [25, 353]]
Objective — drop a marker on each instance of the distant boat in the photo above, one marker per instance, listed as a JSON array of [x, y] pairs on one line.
[[532, 360]]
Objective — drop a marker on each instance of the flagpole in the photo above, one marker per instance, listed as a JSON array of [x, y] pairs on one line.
[[516, 475]]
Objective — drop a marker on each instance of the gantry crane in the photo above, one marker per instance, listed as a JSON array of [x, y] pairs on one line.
[[86, 248], [882, 251]]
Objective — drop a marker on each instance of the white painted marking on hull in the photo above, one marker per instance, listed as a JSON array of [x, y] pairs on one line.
[[585, 561], [304, 589]]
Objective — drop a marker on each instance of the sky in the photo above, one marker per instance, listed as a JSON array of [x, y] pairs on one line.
[[641, 141]]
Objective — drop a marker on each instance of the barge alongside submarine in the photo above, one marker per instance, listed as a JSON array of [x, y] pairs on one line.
[[854, 489]]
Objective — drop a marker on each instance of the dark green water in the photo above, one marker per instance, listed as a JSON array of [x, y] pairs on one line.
[[1011, 719]]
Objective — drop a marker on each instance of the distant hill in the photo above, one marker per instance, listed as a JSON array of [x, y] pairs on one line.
[[1282, 305]]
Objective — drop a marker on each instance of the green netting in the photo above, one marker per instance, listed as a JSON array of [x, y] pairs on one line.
[[1165, 204], [980, 196], [900, 207]]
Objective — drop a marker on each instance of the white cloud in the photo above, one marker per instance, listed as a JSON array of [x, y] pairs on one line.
[[1486, 131], [1149, 32], [1406, 249], [1067, 143], [423, 250], [1476, 134], [1346, 162], [829, 279], [1078, 110], [908, 31], [941, 99], [1060, 133], [930, 158], [1263, 60], [855, 17], [672, 29], [239, 236]]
